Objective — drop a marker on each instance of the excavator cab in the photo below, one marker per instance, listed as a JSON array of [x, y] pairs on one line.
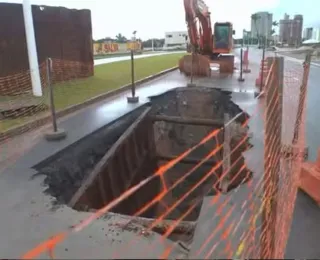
[[223, 38]]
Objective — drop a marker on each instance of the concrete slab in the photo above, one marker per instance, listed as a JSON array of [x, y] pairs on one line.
[[32, 223], [223, 225]]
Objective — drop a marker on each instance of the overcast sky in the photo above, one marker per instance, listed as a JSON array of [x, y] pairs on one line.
[[152, 18]]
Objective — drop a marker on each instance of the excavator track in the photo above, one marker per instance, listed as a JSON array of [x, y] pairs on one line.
[[199, 65]]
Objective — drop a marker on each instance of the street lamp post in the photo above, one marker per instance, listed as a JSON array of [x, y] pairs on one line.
[[56, 133], [241, 79]]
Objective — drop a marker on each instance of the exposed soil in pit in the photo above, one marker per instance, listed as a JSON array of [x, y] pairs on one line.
[[67, 171], [173, 139]]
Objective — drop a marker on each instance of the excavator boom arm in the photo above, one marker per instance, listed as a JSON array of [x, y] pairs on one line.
[[197, 11], [206, 46], [201, 37]]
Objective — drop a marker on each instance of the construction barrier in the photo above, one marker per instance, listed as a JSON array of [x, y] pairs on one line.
[[310, 172], [263, 73], [60, 33], [246, 61], [251, 218], [310, 179]]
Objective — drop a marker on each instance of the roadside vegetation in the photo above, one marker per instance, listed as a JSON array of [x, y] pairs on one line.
[[106, 77]]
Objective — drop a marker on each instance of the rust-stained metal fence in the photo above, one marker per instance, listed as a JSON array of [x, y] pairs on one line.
[[60, 33], [120, 169]]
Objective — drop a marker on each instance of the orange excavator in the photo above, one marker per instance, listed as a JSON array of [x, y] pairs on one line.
[[207, 48]]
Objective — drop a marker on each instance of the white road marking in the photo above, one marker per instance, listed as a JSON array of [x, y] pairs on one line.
[[116, 59]]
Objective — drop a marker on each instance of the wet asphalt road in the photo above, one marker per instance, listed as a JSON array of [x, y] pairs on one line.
[[313, 97]]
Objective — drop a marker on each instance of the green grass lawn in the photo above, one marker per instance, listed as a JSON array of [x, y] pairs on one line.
[[107, 77]]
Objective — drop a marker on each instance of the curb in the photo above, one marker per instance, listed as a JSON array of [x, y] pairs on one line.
[[68, 110], [299, 61], [183, 226]]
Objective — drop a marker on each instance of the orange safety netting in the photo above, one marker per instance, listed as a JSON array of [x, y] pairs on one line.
[[22, 111], [251, 220]]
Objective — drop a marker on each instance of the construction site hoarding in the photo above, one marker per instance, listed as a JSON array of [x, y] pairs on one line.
[[60, 33]]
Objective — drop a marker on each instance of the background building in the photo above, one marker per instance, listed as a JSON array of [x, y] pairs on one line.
[[176, 39], [297, 29], [316, 34], [307, 33], [261, 26], [284, 29], [276, 38], [291, 30]]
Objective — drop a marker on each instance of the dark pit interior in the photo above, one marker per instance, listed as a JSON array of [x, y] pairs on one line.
[[99, 168]]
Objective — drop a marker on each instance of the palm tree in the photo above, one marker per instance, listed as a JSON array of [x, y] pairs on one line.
[[120, 38], [274, 24]]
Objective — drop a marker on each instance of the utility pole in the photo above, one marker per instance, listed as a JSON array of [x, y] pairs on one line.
[[32, 48]]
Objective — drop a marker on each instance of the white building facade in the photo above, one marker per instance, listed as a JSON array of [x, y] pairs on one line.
[[316, 34], [308, 33], [176, 39], [262, 26]]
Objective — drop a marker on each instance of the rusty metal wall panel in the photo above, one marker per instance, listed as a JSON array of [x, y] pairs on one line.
[[130, 160], [60, 33]]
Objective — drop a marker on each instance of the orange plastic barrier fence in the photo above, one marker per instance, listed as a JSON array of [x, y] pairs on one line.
[[252, 220]]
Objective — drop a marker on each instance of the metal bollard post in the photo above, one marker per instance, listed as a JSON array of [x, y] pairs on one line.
[[192, 62], [133, 99], [262, 67], [57, 133], [191, 84], [246, 61], [241, 79]]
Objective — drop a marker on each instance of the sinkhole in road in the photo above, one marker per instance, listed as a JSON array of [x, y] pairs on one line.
[[99, 168]]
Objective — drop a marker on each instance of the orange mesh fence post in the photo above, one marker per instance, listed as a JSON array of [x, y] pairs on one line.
[[246, 61], [302, 97], [272, 151], [293, 149]]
